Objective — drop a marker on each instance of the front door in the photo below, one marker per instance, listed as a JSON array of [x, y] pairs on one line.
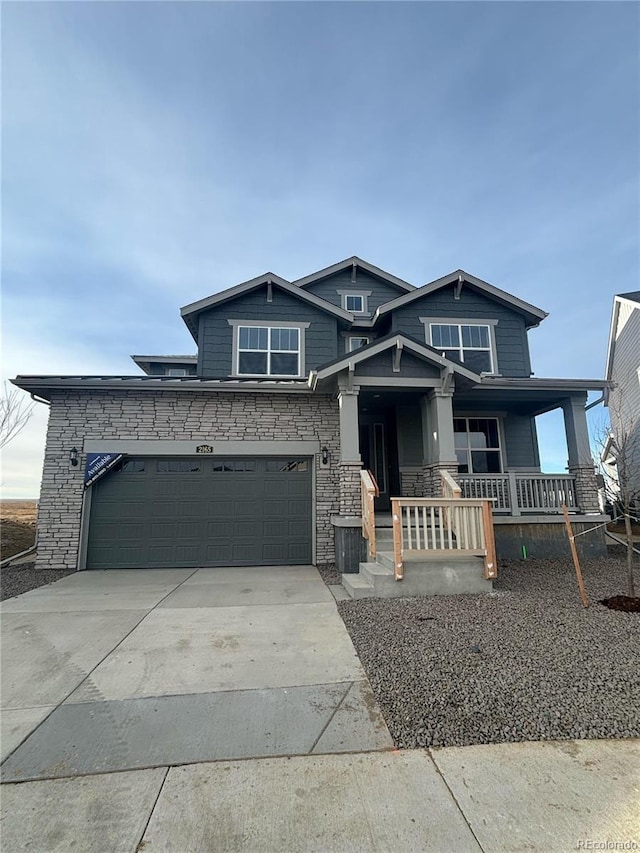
[[379, 452]]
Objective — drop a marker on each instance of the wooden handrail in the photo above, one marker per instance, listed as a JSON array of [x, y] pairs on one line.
[[457, 526], [368, 491], [450, 489]]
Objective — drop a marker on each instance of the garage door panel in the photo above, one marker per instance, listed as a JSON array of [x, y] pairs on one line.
[[239, 511]]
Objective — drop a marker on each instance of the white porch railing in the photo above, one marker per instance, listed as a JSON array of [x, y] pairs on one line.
[[517, 494], [369, 490], [425, 527], [450, 489]]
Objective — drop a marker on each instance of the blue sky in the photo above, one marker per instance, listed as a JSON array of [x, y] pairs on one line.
[[154, 153]]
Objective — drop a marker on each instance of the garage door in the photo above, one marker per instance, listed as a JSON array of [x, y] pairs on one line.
[[204, 511]]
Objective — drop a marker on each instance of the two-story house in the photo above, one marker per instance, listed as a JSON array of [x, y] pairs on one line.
[[251, 451], [621, 453]]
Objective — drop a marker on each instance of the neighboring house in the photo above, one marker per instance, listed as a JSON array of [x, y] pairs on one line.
[[620, 455], [252, 452]]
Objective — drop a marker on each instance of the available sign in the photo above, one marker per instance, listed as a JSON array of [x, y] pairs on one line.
[[97, 466]]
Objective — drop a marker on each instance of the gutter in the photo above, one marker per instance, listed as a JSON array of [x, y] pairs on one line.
[[38, 400]]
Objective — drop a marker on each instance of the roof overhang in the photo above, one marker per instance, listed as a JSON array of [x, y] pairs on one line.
[[532, 315], [190, 312], [354, 263], [46, 386], [398, 342]]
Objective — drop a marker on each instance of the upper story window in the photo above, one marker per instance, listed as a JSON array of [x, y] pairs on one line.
[[268, 350], [355, 301], [176, 371], [471, 344], [354, 342], [477, 443]]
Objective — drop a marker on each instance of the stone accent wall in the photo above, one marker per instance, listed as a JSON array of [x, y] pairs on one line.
[[586, 489], [412, 484], [193, 416], [350, 491]]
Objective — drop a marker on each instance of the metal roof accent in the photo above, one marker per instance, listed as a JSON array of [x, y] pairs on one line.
[[166, 359], [534, 314], [44, 385], [544, 384], [357, 262], [189, 312]]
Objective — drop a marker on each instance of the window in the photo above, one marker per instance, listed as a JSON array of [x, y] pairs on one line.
[[176, 371], [242, 466], [287, 465], [355, 301], [177, 466], [469, 344], [477, 442], [268, 351], [355, 342]]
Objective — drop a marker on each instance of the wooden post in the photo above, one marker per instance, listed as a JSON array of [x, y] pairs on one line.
[[490, 562], [398, 567], [372, 523], [574, 554]]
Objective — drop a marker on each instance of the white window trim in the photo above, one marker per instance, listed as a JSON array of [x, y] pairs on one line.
[[464, 321], [351, 338], [279, 324], [501, 439], [365, 294], [177, 371]]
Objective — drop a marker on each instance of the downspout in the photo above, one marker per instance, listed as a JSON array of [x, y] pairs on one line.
[[595, 403]]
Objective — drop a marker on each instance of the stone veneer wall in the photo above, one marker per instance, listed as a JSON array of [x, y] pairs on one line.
[[189, 416], [412, 483]]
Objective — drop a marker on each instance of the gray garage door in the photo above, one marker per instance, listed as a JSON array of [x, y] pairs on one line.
[[203, 511]]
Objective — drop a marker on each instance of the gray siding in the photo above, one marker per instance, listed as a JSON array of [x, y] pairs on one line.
[[521, 440], [410, 366], [624, 399], [511, 335], [409, 426], [215, 335], [381, 291]]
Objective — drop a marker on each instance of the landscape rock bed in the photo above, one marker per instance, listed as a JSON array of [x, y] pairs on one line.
[[526, 662], [14, 580]]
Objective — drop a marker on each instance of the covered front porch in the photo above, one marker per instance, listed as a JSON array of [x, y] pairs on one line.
[[409, 416]]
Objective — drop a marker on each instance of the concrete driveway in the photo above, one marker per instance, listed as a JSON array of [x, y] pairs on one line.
[[115, 670], [226, 710]]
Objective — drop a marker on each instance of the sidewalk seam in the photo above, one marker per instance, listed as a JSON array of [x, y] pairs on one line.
[[454, 798], [153, 808], [335, 711]]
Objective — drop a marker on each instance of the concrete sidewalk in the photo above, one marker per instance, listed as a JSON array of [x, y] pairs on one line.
[[540, 797]]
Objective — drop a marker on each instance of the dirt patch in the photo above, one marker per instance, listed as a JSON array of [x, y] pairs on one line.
[[622, 602], [17, 527]]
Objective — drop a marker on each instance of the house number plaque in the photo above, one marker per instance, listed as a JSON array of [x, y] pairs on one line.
[[204, 448]]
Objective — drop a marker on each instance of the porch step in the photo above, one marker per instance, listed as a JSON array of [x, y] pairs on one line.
[[444, 574], [357, 586]]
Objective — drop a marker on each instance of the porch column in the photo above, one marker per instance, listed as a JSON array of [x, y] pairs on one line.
[[580, 462], [438, 447], [350, 461]]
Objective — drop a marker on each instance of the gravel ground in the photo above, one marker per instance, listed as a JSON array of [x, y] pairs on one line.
[[329, 573], [526, 662], [14, 580]]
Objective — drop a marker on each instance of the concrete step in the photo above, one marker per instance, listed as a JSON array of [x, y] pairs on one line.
[[447, 574], [357, 586], [371, 572]]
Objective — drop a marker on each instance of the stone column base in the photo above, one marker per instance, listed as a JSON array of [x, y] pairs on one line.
[[350, 493], [586, 488], [433, 481]]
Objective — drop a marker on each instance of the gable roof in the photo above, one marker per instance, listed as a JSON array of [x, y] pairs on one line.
[[393, 341], [632, 296], [354, 261], [532, 314], [190, 312]]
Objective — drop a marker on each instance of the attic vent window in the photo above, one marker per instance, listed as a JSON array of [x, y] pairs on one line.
[[355, 301]]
